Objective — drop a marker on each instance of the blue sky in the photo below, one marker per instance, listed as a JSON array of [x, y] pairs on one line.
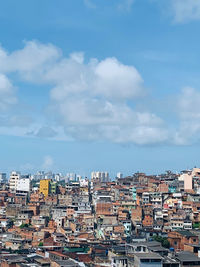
[[108, 85]]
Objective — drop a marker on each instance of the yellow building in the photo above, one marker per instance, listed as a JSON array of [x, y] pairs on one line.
[[45, 187]]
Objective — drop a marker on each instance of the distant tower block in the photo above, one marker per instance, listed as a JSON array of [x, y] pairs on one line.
[[100, 176], [119, 175]]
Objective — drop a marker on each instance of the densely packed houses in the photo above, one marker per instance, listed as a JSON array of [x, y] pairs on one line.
[[138, 221]]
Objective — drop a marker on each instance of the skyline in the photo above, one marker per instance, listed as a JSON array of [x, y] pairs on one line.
[[90, 86]]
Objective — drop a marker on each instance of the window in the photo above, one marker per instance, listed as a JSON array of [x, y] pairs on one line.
[[144, 260], [175, 243]]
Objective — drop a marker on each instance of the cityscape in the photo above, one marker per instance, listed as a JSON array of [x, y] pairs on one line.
[[99, 133], [49, 219]]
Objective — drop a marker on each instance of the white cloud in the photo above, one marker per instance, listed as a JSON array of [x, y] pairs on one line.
[[92, 100], [48, 163], [189, 104], [46, 132], [15, 120], [108, 78], [107, 121], [189, 117], [31, 61], [115, 80], [7, 92], [185, 10]]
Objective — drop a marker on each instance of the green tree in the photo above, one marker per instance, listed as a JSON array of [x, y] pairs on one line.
[[163, 240], [196, 225], [166, 243], [24, 225]]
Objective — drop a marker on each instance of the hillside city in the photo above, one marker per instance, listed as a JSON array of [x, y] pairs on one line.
[[48, 219]]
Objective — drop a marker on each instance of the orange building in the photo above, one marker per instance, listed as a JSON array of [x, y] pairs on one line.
[[178, 239], [45, 187]]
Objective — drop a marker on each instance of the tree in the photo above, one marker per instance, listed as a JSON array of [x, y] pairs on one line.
[[163, 240], [196, 225], [23, 225], [166, 243], [40, 244]]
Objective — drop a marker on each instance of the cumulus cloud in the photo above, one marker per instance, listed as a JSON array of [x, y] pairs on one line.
[[189, 104], [189, 117], [31, 61], [108, 78], [46, 132], [182, 11], [15, 120], [7, 92], [92, 99]]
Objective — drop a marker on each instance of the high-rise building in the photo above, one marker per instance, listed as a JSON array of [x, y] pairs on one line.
[[100, 176], [13, 181], [70, 177], [39, 175], [119, 175], [53, 187], [58, 177], [23, 185], [45, 187]]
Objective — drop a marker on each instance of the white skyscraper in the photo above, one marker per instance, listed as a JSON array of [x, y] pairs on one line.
[[100, 176], [71, 176], [13, 181], [119, 175]]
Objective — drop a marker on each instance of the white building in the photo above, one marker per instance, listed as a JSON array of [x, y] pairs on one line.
[[13, 181], [71, 177], [83, 182], [78, 177], [23, 185], [119, 175], [101, 176], [39, 175], [58, 177]]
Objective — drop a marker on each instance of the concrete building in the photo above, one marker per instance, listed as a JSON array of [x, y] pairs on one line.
[[53, 187], [70, 177], [39, 175], [45, 187], [83, 182], [119, 175], [147, 259], [23, 185], [58, 177], [13, 181], [187, 178], [100, 176]]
